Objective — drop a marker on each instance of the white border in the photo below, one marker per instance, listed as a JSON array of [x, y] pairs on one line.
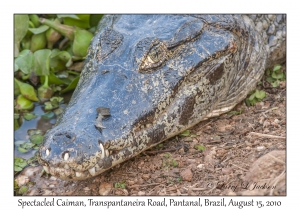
[[8, 8]]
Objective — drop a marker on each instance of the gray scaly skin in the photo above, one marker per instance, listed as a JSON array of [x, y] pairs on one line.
[[150, 77]]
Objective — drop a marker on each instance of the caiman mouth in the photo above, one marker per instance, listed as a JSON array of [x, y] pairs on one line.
[[68, 170]]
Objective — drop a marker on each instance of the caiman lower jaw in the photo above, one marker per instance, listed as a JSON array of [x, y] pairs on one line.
[[108, 160]]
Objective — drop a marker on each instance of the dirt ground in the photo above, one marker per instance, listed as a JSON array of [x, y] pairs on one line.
[[241, 154]]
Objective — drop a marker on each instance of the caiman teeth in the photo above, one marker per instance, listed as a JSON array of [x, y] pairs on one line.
[[66, 156], [106, 153], [78, 174], [47, 152], [92, 171], [46, 168], [102, 151]]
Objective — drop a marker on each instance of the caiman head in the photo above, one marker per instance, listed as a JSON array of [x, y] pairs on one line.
[[146, 79]]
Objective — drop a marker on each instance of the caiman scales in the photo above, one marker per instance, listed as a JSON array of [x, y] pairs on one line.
[[150, 77]]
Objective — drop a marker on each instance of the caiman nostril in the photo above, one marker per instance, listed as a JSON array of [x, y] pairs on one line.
[[65, 155], [102, 114], [63, 138]]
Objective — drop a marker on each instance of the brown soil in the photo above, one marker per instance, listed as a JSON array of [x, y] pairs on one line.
[[244, 155]]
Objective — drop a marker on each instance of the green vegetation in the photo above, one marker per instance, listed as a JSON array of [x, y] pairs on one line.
[[20, 163], [275, 75], [199, 147], [231, 113], [48, 50], [120, 185], [35, 137], [169, 161], [188, 133], [167, 155], [255, 96]]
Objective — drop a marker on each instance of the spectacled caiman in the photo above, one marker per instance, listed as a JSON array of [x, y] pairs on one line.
[[150, 77]]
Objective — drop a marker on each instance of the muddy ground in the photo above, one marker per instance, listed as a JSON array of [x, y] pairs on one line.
[[234, 154]]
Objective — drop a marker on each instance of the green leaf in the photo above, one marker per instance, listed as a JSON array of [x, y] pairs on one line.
[[248, 102], [38, 42], [27, 90], [58, 111], [29, 116], [260, 94], [31, 132], [39, 30], [277, 67], [65, 30], [71, 86], [233, 113], [199, 147], [275, 84], [17, 168], [48, 106], [20, 162], [270, 79], [251, 98], [83, 21], [18, 143], [24, 61], [167, 155], [36, 139], [26, 145], [59, 59], [35, 20], [54, 103], [185, 133], [20, 29], [23, 190], [16, 89], [279, 75], [81, 42], [22, 150], [16, 67], [16, 125], [23, 103], [254, 101], [48, 115], [16, 187], [56, 100], [69, 16], [120, 185], [42, 62], [174, 163], [53, 79], [95, 19]]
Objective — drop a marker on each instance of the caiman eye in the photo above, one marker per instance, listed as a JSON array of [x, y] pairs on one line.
[[156, 56]]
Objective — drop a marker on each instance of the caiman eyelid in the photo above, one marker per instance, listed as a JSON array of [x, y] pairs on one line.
[[155, 57]]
